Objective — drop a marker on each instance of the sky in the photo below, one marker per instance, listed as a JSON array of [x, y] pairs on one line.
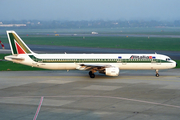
[[73, 10]]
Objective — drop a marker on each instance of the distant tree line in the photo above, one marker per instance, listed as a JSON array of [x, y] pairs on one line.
[[39, 24]]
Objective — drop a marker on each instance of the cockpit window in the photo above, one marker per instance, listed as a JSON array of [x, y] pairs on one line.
[[167, 59]]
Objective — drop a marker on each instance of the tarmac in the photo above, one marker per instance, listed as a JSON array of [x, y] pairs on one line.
[[72, 95]]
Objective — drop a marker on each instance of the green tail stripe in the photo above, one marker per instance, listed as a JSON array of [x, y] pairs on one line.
[[13, 43], [14, 37]]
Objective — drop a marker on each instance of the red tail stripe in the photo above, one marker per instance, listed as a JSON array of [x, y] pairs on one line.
[[19, 49]]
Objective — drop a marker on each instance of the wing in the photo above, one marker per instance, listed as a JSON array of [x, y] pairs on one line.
[[95, 67], [104, 69]]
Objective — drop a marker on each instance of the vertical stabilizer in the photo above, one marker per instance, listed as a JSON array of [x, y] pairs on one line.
[[17, 45]]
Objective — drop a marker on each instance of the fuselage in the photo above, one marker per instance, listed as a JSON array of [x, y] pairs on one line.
[[72, 61]]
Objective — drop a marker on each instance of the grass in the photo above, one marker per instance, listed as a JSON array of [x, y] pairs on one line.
[[178, 63], [10, 66], [142, 43]]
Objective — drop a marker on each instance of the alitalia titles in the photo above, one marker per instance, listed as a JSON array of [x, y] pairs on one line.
[[141, 57]]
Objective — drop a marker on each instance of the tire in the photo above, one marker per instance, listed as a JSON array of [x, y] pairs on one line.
[[157, 75], [91, 75]]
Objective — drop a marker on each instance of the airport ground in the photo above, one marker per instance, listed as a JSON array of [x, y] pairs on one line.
[[72, 95]]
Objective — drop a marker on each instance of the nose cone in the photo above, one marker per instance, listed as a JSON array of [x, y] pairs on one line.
[[174, 64]]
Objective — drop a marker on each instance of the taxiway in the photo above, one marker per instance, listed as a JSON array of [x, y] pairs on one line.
[[72, 95]]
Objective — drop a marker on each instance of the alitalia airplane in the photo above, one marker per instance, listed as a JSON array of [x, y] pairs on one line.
[[108, 64]]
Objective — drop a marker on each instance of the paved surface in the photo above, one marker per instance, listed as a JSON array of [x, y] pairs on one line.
[[72, 95]]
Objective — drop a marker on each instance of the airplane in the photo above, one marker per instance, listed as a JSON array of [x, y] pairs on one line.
[[108, 64]]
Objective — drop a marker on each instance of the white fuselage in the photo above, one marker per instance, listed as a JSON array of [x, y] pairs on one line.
[[73, 61]]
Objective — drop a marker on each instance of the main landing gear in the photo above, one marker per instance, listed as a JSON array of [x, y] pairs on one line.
[[157, 74], [91, 74]]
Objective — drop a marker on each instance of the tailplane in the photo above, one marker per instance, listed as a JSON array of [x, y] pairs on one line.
[[17, 45]]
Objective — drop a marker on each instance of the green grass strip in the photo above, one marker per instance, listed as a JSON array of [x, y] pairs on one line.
[[141, 43], [10, 66]]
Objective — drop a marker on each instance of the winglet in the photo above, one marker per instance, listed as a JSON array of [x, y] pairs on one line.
[[16, 43]]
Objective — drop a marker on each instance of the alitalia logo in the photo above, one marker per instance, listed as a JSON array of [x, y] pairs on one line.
[[18, 46], [142, 57]]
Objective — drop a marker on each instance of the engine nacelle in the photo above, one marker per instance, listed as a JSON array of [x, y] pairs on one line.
[[112, 71]]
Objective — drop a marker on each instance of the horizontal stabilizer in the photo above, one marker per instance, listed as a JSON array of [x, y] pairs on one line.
[[13, 58]]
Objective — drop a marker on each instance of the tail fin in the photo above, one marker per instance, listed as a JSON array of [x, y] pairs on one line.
[[17, 45]]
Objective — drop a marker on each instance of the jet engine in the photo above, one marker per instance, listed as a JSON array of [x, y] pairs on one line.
[[112, 71]]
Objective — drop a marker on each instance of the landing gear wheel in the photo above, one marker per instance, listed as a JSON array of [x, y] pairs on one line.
[[157, 75], [91, 75]]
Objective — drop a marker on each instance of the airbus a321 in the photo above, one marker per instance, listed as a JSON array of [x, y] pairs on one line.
[[108, 64]]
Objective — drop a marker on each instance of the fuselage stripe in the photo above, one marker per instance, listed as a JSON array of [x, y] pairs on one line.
[[95, 60]]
